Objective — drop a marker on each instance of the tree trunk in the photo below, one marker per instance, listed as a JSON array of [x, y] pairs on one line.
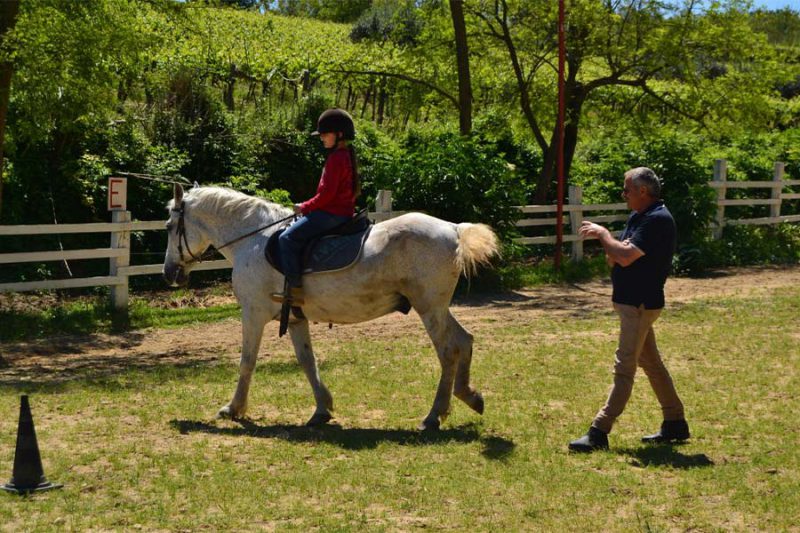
[[381, 101], [462, 61], [8, 18], [367, 97], [228, 88], [548, 172]]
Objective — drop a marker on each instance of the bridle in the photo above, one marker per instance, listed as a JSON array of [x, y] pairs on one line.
[[182, 239]]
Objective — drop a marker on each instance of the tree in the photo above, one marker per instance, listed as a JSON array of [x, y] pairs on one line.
[[462, 60], [8, 18], [333, 10], [665, 52]]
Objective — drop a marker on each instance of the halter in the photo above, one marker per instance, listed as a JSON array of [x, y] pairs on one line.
[[181, 210]]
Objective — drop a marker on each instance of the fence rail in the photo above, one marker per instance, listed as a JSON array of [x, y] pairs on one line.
[[121, 226], [118, 252]]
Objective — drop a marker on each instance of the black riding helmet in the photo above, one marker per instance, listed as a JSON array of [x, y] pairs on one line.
[[336, 120]]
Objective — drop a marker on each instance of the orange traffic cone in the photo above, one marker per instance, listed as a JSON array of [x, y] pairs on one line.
[[28, 475]]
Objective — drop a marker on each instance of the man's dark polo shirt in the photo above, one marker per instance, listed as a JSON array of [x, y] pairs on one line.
[[642, 282]]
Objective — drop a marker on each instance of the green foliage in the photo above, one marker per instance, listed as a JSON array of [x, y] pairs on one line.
[[333, 10], [675, 159], [782, 26], [455, 178], [228, 96], [389, 20], [750, 245]]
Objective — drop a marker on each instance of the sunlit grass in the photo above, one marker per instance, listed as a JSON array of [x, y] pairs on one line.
[[141, 449]]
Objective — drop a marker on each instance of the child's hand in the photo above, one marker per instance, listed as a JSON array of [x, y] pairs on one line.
[[297, 210]]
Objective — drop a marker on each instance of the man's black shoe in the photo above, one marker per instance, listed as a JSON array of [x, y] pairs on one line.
[[671, 431], [595, 439]]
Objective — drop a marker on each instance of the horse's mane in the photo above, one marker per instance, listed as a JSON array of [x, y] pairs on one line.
[[234, 205]]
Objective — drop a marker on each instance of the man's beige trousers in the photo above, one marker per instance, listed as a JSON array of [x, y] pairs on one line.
[[637, 347]]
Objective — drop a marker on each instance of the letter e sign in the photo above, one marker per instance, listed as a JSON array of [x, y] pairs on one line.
[[117, 194]]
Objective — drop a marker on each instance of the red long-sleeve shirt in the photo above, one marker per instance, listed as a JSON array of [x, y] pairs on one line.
[[335, 189]]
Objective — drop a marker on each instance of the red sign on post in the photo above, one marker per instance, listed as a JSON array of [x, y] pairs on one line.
[[117, 194]]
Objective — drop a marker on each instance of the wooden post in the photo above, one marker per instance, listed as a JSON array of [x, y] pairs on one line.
[[720, 175], [777, 188], [120, 239], [575, 221], [383, 205]]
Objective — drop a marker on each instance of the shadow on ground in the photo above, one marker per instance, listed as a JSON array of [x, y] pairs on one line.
[[571, 299], [665, 455], [493, 447]]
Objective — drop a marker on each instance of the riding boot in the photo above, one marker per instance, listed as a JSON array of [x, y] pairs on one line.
[[293, 295]]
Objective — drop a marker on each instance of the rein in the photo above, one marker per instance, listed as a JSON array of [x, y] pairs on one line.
[[183, 240]]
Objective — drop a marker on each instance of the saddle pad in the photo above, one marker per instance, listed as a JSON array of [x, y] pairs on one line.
[[332, 252]]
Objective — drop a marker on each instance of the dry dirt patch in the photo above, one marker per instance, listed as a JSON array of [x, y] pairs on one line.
[[62, 358]]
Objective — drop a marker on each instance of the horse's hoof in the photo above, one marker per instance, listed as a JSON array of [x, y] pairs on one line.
[[429, 424], [226, 413], [318, 419], [477, 403]]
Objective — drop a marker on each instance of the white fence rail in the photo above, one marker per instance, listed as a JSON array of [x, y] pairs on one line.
[[118, 253], [577, 211]]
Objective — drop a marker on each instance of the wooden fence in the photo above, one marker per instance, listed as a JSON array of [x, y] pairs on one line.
[[118, 253], [120, 228], [577, 211]]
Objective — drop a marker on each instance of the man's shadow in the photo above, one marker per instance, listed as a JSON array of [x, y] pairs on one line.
[[493, 447], [665, 455]]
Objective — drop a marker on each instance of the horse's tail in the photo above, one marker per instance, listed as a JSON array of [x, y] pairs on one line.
[[477, 244]]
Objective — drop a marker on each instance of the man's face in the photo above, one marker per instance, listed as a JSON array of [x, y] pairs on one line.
[[635, 196]]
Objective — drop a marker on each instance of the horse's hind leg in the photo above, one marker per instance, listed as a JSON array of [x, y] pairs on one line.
[[462, 390], [454, 347], [301, 339], [437, 323]]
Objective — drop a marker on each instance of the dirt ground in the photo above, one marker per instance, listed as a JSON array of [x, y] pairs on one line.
[[64, 358]]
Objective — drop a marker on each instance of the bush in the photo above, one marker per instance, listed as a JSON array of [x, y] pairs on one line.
[[676, 159], [454, 178]]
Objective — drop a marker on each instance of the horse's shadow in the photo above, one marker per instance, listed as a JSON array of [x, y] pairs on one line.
[[493, 447], [665, 455]]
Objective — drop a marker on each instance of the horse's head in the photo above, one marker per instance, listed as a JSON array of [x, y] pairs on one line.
[[187, 240]]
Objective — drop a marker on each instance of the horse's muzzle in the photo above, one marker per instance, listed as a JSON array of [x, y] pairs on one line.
[[175, 276]]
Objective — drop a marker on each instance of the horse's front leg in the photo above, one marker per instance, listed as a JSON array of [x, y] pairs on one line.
[[301, 339], [253, 321]]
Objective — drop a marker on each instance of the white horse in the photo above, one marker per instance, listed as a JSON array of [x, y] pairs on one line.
[[414, 256]]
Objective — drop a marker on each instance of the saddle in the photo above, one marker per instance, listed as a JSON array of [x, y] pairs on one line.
[[333, 250]]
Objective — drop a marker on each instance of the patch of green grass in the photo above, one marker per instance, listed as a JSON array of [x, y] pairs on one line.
[[141, 449], [89, 315], [95, 315]]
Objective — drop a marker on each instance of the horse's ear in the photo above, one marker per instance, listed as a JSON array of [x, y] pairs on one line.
[[178, 191]]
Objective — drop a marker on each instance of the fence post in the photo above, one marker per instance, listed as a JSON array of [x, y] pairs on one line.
[[777, 188], [120, 239], [720, 175], [383, 205], [575, 221]]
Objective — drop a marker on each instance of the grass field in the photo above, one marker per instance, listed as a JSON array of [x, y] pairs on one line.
[[141, 450]]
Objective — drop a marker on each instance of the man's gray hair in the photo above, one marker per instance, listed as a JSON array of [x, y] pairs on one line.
[[645, 177]]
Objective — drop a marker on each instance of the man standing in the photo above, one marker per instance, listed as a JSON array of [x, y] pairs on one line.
[[640, 261]]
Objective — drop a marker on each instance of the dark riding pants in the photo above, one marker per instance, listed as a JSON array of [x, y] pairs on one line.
[[294, 240]]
